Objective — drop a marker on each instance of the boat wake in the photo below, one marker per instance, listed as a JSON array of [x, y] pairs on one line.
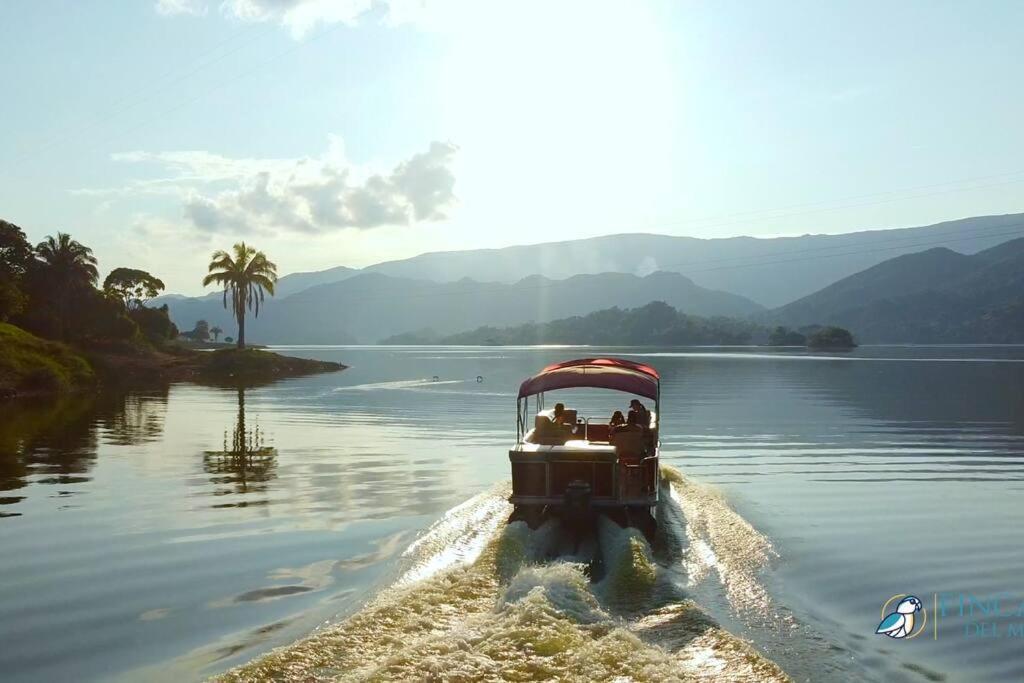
[[400, 385], [480, 599]]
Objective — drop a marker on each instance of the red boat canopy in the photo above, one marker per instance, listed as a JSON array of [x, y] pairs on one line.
[[598, 373]]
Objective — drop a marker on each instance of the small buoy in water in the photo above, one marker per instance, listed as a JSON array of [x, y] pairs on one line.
[[479, 379], [435, 378]]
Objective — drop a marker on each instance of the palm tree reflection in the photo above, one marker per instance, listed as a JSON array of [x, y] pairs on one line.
[[244, 466]]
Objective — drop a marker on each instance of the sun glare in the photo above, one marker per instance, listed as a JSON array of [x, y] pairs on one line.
[[577, 109]]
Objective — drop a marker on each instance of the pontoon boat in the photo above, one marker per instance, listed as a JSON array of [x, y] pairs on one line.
[[572, 465]]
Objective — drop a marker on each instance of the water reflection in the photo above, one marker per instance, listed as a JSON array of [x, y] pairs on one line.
[[245, 465], [54, 441], [134, 419]]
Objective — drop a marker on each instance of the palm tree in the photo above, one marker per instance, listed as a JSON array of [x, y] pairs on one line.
[[215, 331], [70, 269], [70, 262], [246, 274]]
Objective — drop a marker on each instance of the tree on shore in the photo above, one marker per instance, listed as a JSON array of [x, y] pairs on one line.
[[70, 261], [50, 291], [15, 258], [832, 338], [216, 332], [246, 276], [68, 274], [783, 336], [201, 332], [133, 287]]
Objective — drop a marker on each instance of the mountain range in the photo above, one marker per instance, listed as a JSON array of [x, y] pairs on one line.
[[925, 293], [770, 271], [369, 307], [937, 296]]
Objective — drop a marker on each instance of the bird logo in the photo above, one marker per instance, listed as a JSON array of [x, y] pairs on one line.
[[900, 623]]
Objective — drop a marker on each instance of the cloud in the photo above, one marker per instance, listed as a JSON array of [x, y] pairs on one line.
[[300, 195], [302, 16], [175, 7]]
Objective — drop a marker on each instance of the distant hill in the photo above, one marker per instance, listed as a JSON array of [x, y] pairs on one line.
[[934, 296], [297, 282], [770, 271], [656, 324], [368, 307], [287, 285]]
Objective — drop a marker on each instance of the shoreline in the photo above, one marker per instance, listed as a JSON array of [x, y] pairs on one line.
[[232, 365], [42, 368]]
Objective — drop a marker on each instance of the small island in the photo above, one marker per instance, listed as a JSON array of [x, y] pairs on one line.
[[60, 331], [816, 338], [783, 336], [831, 339]]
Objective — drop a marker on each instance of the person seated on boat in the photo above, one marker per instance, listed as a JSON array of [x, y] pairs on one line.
[[553, 431], [632, 425], [643, 415], [629, 439], [565, 418], [617, 420]]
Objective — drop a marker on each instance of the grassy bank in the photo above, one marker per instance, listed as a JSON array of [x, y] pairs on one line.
[[136, 366], [250, 366], [30, 365]]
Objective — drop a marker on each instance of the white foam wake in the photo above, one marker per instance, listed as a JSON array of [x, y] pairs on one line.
[[483, 601]]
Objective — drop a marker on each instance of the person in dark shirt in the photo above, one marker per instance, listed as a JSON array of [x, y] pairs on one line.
[[632, 425], [643, 416]]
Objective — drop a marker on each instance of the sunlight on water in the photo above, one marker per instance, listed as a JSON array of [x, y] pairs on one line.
[[484, 600]]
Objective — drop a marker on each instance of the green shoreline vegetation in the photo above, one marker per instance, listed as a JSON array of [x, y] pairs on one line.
[[60, 331], [29, 364]]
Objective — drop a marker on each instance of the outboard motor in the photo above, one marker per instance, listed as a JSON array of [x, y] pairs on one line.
[[577, 502]]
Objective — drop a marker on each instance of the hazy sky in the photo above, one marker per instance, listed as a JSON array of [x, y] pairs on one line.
[[346, 132]]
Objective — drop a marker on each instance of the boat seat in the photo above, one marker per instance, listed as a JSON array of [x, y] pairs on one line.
[[546, 432], [597, 432]]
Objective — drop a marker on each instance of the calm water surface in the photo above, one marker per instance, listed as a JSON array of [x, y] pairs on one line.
[[174, 534]]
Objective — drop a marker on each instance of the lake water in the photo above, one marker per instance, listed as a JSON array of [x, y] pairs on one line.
[[175, 534]]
